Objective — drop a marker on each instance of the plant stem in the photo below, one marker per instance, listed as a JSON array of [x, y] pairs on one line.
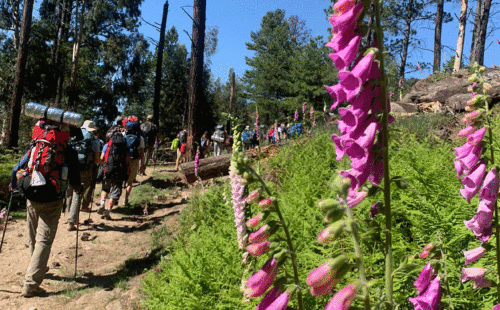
[[288, 242], [357, 250], [385, 150], [492, 159], [445, 274]]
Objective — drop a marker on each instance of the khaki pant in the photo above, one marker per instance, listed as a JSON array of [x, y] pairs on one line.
[[42, 219], [75, 200], [148, 153]]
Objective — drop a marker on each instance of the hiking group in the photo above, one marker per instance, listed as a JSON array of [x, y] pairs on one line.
[[61, 168]]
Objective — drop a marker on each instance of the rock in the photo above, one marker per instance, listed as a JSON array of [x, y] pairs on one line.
[[396, 108], [451, 91]]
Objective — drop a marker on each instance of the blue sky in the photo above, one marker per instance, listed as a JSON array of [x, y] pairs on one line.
[[237, 18]]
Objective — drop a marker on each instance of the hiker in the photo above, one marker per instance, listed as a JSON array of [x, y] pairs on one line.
[[151, 136], [246, 136], [204, 145], [181, 149], [219, 138], [254, 141], [43, 176], [136, 145], [115, 157], [88, 150], [271, 135]]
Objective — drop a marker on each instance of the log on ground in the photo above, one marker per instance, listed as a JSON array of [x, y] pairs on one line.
[[208, 168]]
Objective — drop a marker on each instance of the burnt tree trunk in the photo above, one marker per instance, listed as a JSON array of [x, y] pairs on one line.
[[483, 27], [18, 85], [159, 62], [231, 102], [406, 40], [462, 21], [73, 89], [475, 33], [437, 35], [60, 63], [196, 73]]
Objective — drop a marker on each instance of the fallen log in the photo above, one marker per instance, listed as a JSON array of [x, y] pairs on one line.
[[208, 168]]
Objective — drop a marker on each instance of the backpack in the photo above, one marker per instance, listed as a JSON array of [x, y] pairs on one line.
[[218, 135], [175, 144], [245, 136], [84, 149], [299, 128], [183, 137], [133, 143], [183, 148], [46, 175], [116, 158], [149, 132], [133, 127]]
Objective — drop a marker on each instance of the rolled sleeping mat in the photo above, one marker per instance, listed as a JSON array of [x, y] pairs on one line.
[[36, 110]]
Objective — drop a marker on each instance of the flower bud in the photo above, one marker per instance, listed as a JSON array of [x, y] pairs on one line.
[[334, 215], [487, 86], [254, 196], [255, 221], [328, 204], [267, 203], [260, 235], [482, 69], [473, 78], [331, 232], [258, 249], [326, 272], [344, 187], [472, 117]]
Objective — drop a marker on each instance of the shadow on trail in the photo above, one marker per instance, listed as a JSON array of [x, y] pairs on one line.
[[130, 268]]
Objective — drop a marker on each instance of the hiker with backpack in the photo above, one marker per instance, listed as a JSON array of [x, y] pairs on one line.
[[88, 149], [42, 175], [151, 135], [246, 136], [136, 146], [115, 157], [219, 138], [181, 149]]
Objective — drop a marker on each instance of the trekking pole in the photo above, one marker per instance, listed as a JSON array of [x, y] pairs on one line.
[[5, 223]]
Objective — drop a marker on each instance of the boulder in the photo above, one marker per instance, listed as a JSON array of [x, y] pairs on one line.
[[451, 91]]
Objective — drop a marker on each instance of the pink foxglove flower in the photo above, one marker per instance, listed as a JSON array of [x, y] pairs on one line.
[[482, 283], [321, 275], [238, 199], [254, 196], [342, 300], [472, 117], [480, 224], [255, 221], [304, 107], [424, 279], [489, 189], [311, 113], [355, 198], [346, 56], [260, 235], [477, 136], [279, 303], [296, 116], [342, 6], [258, 249], [464, 133], [196, 162], [473, 255], [472, 182], [324, 289], [356, 78], [266, 203], [430, 299], [260, 281], [270, 296], [331, 232], [375, 209], [497, 307], [338, 95], [472, 274], [346, 21]]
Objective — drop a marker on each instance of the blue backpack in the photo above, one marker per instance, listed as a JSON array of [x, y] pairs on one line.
[[245, 136], [133, 142], [299, 128]]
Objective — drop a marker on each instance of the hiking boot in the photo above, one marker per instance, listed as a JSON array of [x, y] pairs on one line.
[[106, 215], [34, 291], [71, 227], [101, 210]]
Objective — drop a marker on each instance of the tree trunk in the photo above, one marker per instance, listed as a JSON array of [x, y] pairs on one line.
[[18, 86], [437, 35], [208, 168], [461, 34], [406, 40], [16, 22], [475, 33], [60, 63], [483, 27], [159, 62], [196, 72], [73, 92], [231, 101]]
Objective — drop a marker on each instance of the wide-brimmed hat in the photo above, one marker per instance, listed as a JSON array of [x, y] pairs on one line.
[[247, 128], [150, 117], [89, 126]]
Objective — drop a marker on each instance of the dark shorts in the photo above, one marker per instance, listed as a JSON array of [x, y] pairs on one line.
[[113, 188]]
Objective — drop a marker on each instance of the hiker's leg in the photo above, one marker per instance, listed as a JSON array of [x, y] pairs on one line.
[[49, 214], [87, 177], [32, 221], [74, 208]]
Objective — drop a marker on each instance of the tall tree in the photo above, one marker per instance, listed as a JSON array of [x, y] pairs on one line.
[[17, 89], [462, 21], [72, 92], [480, 31], [196, 72], [437, 35], [159, 62]]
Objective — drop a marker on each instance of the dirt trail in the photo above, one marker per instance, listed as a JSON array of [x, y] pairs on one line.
[[111, 264]]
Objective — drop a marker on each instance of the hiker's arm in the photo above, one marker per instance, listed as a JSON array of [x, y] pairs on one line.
[[20, 164]]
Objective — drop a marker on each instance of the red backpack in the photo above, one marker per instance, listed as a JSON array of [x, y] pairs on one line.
[[46, 158]]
